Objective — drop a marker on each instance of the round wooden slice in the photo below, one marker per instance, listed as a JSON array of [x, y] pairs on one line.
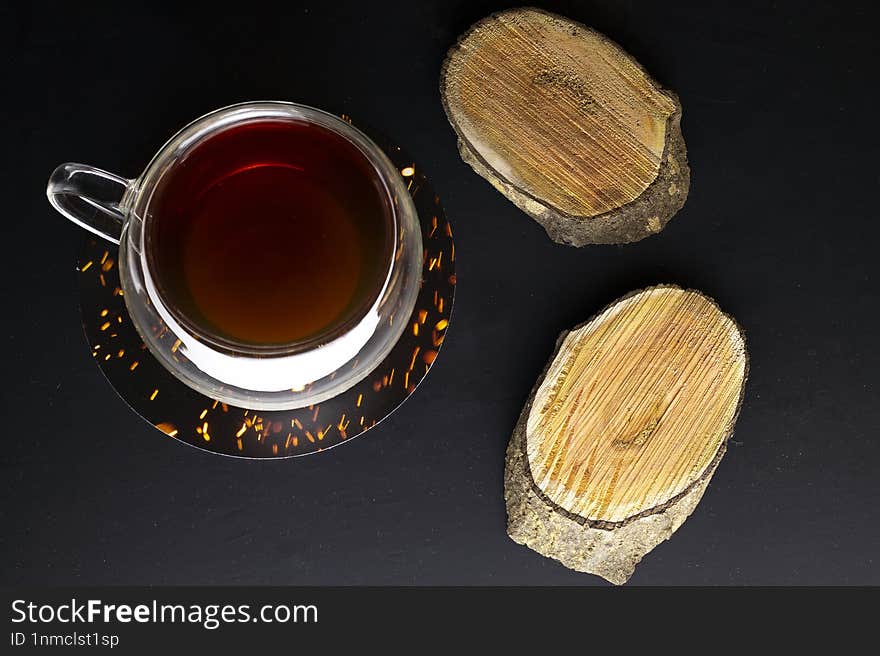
[[566, 125], [624, 429]]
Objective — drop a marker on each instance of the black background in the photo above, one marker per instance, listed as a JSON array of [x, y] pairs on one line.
[[781, 227]]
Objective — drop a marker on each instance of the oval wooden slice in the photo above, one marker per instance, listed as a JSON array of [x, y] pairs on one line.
[[624, 430], [567, 125]]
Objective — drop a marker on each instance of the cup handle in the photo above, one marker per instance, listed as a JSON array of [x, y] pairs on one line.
[[89, 197]]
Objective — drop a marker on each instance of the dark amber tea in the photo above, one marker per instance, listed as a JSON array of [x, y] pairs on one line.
[[271, 233]]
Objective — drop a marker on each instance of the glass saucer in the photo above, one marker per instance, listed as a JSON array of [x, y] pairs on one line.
[[195, 419]]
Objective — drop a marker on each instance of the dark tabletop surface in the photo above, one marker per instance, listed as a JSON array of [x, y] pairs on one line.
[[781, 227]]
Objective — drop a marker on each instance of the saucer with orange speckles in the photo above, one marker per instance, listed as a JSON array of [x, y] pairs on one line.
[[191, 417]]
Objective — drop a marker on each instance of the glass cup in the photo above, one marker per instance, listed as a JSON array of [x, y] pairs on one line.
[[262, 378]]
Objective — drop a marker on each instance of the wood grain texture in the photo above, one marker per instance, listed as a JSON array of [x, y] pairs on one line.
[[567, 125], [624, 430]]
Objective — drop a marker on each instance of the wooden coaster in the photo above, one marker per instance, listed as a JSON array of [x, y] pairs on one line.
[[568, 126], [624, 430]]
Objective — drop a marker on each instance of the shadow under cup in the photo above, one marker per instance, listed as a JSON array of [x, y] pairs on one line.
[[270, 236]]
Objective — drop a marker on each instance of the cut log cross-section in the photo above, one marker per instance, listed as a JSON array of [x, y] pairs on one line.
[[622, 433], [567, 125]]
